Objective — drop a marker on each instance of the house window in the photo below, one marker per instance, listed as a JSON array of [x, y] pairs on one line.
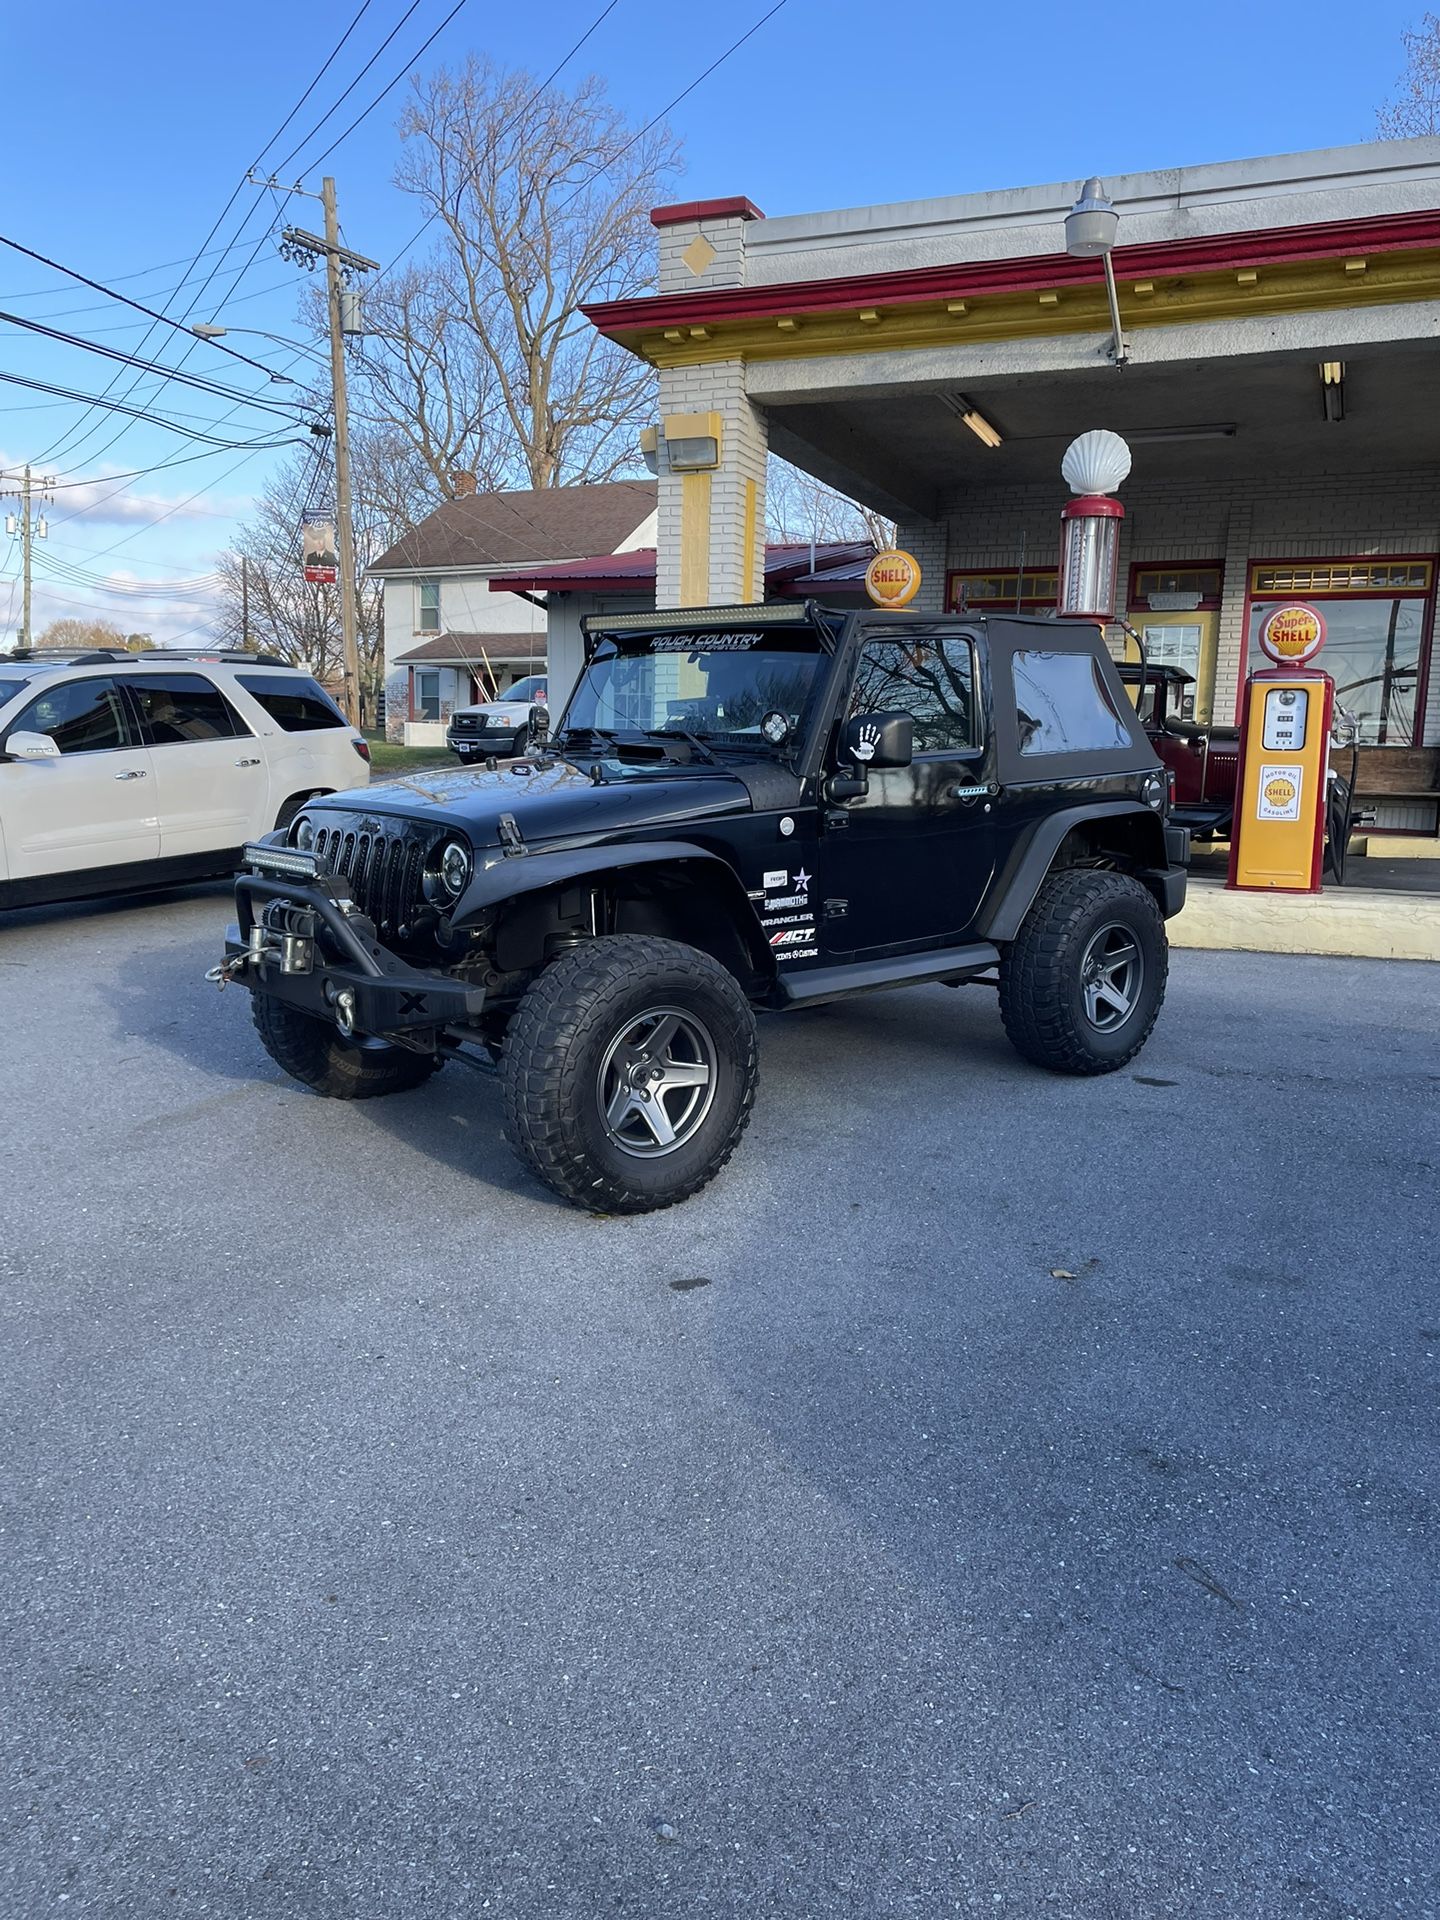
[[1376, 614], [429, 606], [427, 693]]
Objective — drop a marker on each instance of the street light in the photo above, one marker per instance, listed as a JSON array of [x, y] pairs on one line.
[[207, 330], [1090, 229]]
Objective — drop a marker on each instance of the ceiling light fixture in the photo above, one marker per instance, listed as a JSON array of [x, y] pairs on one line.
[[973, 418], [1332, 389], [1151, 436]]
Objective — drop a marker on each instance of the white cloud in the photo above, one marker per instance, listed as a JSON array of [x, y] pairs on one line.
[[108, 501]]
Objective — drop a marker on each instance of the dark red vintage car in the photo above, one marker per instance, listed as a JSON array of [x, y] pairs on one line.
[[1203, 763]]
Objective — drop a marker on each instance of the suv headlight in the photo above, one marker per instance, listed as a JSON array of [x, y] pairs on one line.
[[304, 835], [455, 868]]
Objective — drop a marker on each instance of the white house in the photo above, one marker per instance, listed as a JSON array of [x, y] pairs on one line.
[[453, 633]]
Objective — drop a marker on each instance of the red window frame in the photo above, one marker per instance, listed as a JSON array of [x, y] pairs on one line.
[[1427, 627]]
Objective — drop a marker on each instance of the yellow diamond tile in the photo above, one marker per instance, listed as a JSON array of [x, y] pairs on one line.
[[698, 255]]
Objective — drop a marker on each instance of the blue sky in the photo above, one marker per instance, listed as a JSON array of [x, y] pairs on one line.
[[128, 127]]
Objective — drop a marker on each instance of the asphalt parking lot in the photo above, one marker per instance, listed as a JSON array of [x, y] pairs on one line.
[[996, 1495]]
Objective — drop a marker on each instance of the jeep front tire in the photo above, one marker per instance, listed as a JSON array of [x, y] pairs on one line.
[[629, 1073], [1082, 982]]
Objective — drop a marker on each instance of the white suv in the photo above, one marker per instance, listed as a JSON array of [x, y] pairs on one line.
[[122, 770]]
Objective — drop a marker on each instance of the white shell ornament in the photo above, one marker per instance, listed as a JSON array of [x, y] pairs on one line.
[[1095, 463]]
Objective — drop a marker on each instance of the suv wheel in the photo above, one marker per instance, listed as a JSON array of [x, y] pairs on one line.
[[629, 1073], [1082, 982], [313, 1052]]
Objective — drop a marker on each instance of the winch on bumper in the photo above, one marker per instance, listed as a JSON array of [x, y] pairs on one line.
[[302, 938]]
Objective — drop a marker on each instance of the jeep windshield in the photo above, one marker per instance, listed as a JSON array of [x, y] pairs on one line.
[[716, 688]]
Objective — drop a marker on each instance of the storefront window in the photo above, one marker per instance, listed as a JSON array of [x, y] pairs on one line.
[[1375, 630]]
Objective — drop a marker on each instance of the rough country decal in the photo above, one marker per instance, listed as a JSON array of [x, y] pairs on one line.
[[705, 642]]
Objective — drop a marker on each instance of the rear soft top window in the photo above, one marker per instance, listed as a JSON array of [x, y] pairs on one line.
[[298, 704], [1062, 705]]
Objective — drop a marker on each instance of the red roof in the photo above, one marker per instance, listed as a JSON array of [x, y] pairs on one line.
[[787, 567]]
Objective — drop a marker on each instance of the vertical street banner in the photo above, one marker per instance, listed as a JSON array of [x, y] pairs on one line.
[[317, 548]]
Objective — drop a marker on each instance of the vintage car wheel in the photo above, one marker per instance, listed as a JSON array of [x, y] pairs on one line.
[[629, 1073], [315, 1053], [1083, 980]]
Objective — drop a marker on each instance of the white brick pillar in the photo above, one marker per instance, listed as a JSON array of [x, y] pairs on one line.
[[711, 533], [927, 540], [1232, 645]]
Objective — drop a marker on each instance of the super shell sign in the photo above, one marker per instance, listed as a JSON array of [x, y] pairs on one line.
[[1292, 634], [317, 549]]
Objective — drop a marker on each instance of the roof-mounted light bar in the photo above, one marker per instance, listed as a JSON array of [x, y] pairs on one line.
[[772, 613]]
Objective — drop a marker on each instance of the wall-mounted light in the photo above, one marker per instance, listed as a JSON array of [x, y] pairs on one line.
[[1332, 389], [1090, 229], [982, 429], [650, 448], [693, 441]]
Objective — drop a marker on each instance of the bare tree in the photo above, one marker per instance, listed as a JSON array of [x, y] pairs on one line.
[[93, 633], [543, 201], [1415, 108], [800, 507]]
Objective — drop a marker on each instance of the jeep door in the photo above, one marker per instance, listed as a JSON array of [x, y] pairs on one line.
[[907, 864], [94, 805]]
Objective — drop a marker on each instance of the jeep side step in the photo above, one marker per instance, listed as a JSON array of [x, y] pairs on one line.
[[814, 988]]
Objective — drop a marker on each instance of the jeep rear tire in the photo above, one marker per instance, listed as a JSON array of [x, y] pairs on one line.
[[1083, 980], [629, 1073], [315, 1053]]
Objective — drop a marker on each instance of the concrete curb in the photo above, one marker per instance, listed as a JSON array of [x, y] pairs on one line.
[[1362, 926]]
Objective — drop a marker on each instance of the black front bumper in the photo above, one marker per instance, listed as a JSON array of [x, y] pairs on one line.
[[350, 977]]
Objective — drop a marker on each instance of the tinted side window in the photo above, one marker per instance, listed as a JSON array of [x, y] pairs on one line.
[[179, 708], [1062, 706], [297, 705], [80, 716], [929, 676]]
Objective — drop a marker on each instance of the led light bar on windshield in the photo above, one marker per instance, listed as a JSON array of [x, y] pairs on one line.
[[677, 619]]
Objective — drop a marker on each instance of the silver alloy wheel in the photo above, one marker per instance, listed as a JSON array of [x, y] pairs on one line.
[[1112, 975], [657, 1082]]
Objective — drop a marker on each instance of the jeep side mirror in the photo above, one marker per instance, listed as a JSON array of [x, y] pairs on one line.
[[879, 740], [31, 746]]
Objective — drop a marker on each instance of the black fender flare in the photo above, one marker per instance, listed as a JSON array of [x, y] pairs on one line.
[[502, 877], [1024, 873]]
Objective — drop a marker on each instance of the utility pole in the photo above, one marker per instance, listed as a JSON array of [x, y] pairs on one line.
[[349, 626], [28, 530], [340, 263]]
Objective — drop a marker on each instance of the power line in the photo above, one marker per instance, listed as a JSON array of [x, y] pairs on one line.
[[214, 229], [138, 413], [389, 87], [199, 381], [280, 165], [519, 114], [124, 300]]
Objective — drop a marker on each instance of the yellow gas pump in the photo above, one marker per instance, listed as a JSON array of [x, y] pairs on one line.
[[1277, 842]]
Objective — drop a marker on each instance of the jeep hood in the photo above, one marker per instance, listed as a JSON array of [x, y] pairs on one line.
[[554, 801]]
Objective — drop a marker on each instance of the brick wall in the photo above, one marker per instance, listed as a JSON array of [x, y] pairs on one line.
[[1241, 521], [734, 563]]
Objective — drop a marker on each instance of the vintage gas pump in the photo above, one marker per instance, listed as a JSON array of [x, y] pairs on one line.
[[1277, 842]]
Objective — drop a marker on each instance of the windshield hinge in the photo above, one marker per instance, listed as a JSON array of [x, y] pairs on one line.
[[511, 838]]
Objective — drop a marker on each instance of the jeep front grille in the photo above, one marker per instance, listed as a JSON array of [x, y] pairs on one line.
[[385, 871]]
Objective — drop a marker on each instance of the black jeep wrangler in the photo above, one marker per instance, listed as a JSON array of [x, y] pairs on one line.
[[740, 808]]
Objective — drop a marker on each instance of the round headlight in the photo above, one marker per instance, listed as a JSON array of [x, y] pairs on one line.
[[304, 834], [455, 867]]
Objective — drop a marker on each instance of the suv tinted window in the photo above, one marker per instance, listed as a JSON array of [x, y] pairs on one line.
[[179, 708], [1062, 706], [929, 676], [298, 704], [80, 716], [9, 689]]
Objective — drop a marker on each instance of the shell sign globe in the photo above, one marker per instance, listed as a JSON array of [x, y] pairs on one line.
[[1292, 634], [892, 578]]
